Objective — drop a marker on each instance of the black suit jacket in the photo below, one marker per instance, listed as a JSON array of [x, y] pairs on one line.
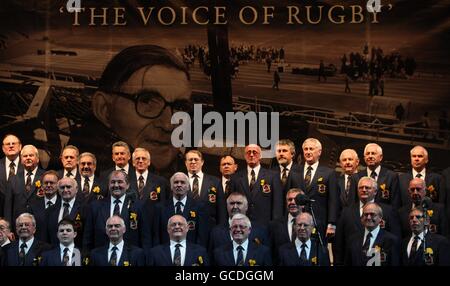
[[435, 187], [31, 258], [257, 254], [160, 255], [53, 257], [265, 202], [288, 256], [438, 219], [77, 178], [446, 178], [437, 243], [3, 170], [350, 223], [195, 213], [352, 197], [17, 200], [156, 188], [37, 208], [131, 256], [388, 189], [293, 181], [388, 244], [279, 235]]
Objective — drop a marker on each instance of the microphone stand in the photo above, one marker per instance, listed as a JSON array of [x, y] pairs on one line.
[[316, 226], [425, 230]]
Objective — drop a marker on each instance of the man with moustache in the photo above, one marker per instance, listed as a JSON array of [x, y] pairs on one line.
[[91, 187], [261, 186], [285, 153], [10, 165], [25, 185], [46, 197], [438, 222], [139, 90], [435, 185], [227, 167], [388, 190], [348, 180], [69, 161]]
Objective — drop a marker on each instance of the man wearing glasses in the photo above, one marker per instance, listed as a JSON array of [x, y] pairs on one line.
[[140, 89]]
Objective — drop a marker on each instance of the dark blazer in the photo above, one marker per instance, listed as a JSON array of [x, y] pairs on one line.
[[37, 208], [53, 257], [256, 253], [439, 245], [96, 193], [31, 258], [289, 256], [352, 197], [388, 243], [220, 235], [350, 223], [323, 189], [389, 194], [77, 178], [131, 256], [265, 202], [17, 200], [195, 213], [438, 219], [77, 214], [97, 214], [3, 170], [279, 235], [212, 195], [446, 178], [293, 181], [160, 255], [435, 187], [156, 188]]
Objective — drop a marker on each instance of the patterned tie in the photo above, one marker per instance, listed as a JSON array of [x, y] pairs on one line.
[[65, 260], [303, 257], [240, 256], [195, 187], [22, 254], [116, 208], [28, 182], [86, 186], [308, 177], [347, 186], [178, 206], [366, 245], [227, 187], [252, 180], [12, 170], [113, 258], [419, 175], [66, 209], [413, 251], [284, 176], [141, 186], [293, 233], [374, 175], [177, 255]]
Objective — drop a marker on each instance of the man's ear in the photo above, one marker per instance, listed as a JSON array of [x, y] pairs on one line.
[[100, 107]]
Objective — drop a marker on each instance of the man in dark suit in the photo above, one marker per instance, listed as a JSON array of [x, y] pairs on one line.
[[261, 186], [220, 235], [70, 207], [117, 203], [69, 160], [373, 246], [350, 220], [205, 188], [117, 252], [388, 190], [285, 153], [319, 183], [446, 175], [242, 252], [90, 188], [282, 230], [149, 187], [227, 167], [437, 247], [195, 212], [121, 156], [47, 197], [27, 250], [347, 181], [435, 185], [304, 251], [25, 185], [5, 234], [65, 254], [10, 165], [438, 222], [178, 251]]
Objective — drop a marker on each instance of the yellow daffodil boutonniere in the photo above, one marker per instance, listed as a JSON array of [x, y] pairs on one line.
[[251, 262]]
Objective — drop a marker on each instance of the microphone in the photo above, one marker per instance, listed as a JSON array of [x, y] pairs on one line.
[[302, 200], [426, 203]]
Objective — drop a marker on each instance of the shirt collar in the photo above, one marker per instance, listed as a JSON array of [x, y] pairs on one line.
[[173, 243], [256, 169], [119, 246], [29, 243], [374, 232], [289, 167], [244, 245], [73, 172], [144, 175], [183, 201], [377, 170], [126, 168], [423, 173], [298, 243], [199, 174], [122, 199], [70, 247], [314, 167]]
